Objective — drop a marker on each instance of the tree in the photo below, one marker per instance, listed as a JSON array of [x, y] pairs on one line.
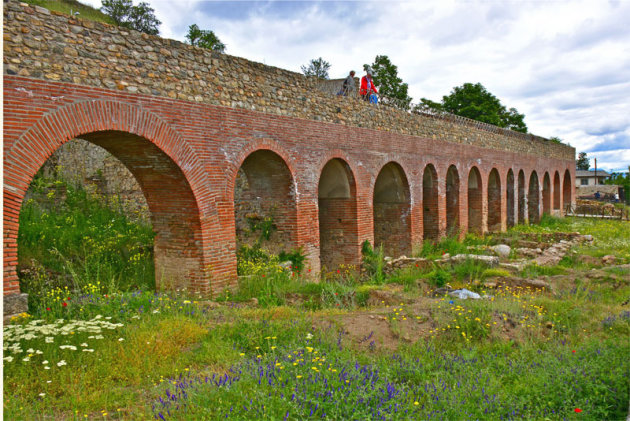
[[475, 102], [582, 162], [391, 88], [124, 13], [621, 179], [317, 67], [204, 38]]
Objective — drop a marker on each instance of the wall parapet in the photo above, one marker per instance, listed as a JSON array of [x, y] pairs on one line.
[[52, 46]]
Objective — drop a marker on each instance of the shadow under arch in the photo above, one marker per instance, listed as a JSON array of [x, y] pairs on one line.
[[265, 207], [556, 191], [430, 218], [509, 198], [494, 201], [546, 194], [475, 199], [533, 199], [567, 189], [452, 201], [522, 198], [392, 208], [338, 225]]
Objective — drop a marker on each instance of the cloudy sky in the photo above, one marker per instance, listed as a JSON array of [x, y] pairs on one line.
[[565, 64]]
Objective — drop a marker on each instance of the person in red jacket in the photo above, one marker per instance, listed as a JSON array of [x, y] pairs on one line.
[[367, 86]]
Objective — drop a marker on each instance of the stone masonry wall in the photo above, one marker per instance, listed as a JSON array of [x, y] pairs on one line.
[[48, 45]]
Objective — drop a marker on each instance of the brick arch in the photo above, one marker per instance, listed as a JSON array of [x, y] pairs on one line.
[[567, 189], [521, 193], [510, 192], [533, 198], [430, 194], [265, 193], [556, 191], [391, 204], [546, 193], [452, 180], [474, 184], [337, 215], [174, 180], [494, 200], [233, 165]]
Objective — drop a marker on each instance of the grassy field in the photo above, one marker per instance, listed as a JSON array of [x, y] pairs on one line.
[[353, 346]]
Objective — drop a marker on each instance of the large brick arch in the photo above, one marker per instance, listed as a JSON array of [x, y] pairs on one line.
[[165, 166], [337, 215], [391, 206]]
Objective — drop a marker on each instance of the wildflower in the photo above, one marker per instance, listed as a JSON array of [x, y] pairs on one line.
[[42, 394], [44, 362], [8, 359], [121, 339], [84, 345], [87, 350], [62, 363], [578, 410], [416, 403], [47, 308], [26, 359]]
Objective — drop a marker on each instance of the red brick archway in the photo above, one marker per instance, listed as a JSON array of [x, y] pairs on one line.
[[430, 217], [494, 201], [159, 159], [453, 223], [337, 204], [475, 202], [391, 207]]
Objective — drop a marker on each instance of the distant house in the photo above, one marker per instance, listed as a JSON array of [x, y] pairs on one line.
[[587, 178]]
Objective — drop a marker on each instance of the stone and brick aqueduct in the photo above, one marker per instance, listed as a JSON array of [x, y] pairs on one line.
[[215, 141]]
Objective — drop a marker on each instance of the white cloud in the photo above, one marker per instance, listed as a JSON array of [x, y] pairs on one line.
[[564, 64]]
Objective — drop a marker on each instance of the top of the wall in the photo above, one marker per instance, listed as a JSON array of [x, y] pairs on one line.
[[48, 45]]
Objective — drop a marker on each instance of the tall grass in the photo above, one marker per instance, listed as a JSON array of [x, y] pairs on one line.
[[71, 238]]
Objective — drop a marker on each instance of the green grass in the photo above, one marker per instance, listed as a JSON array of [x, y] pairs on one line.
[[172, 355], [76, 240], [71, 6]]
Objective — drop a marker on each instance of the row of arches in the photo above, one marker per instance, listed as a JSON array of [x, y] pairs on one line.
[[265, 188]]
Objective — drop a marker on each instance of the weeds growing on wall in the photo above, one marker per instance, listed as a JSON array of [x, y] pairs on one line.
[[72, 238]]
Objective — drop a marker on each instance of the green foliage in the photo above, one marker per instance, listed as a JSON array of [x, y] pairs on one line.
[[318, 67], [469, 270], [296, 257], [555, 139], [69, 237], [391, 88], [582, 162], [124, 13], [373, 262], [204, 38], [439, 277], [266, 226], [474, 101], [74, 8], [621, 179]]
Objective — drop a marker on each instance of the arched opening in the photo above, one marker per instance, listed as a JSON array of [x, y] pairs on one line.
[[567, 188], [338, 229], [430, 218], [522, 200], [533, 208], [452, 201], [172, 209], [546, 194], [494, 201], [264, 203], [392, 206], [509, 198], [475, 202], [556, 191]]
